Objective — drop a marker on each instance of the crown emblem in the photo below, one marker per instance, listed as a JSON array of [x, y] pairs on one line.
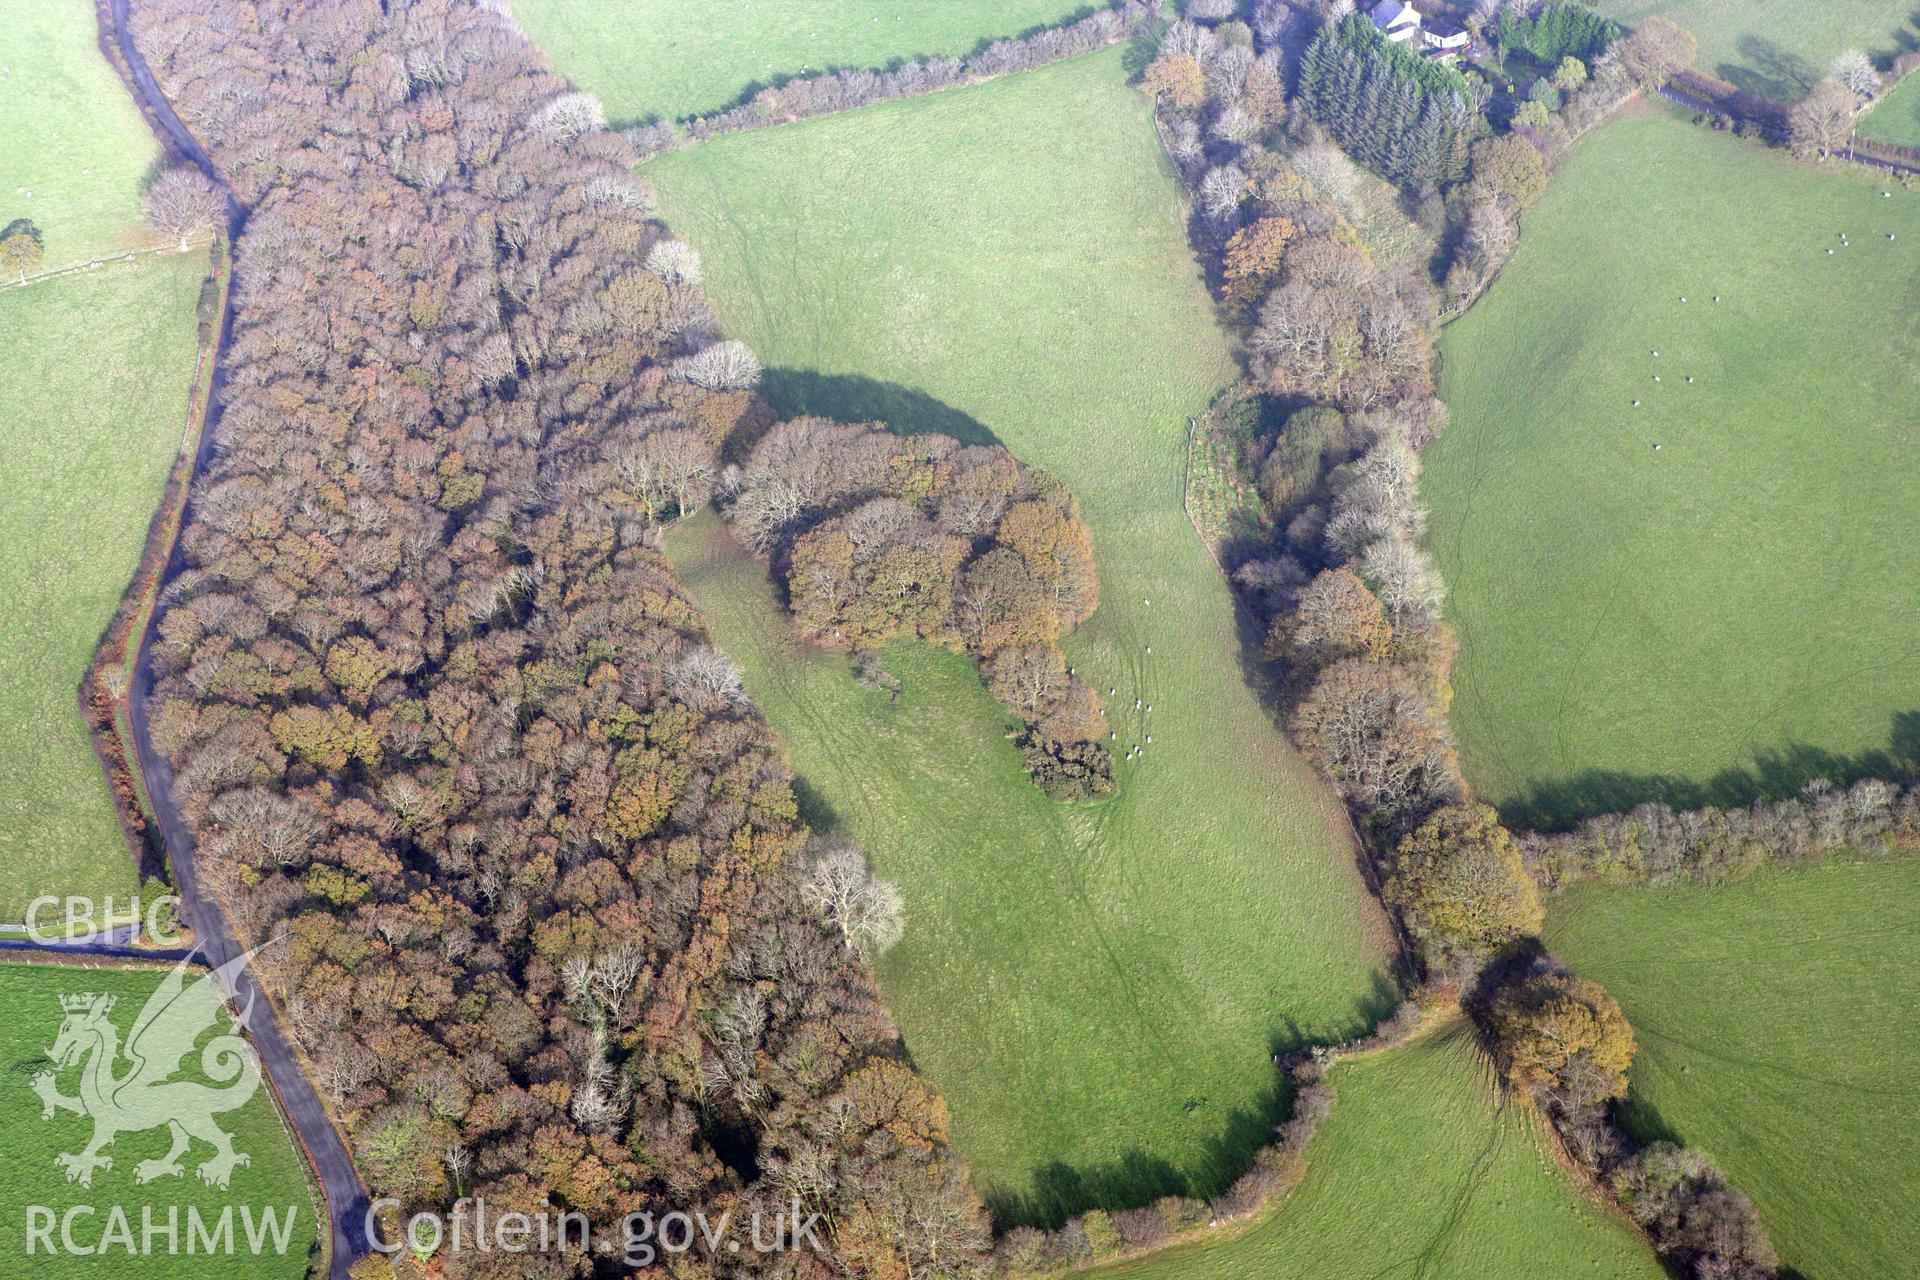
[[84, 1003]]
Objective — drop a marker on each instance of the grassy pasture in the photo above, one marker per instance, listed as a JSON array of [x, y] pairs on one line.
[[662, 58], [1775, 48], [1097, 990], [74, 153], [91, 400], [30, 1017], [1776, 1030], [1421, 1171], [1731, 613], [1896, 117]]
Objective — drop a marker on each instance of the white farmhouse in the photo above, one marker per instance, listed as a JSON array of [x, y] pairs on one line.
[[1404, 24]]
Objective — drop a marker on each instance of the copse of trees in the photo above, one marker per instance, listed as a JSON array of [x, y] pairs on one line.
[[439, 714], [1352, 599], [1407, 117], [1337, 329], [1556, 32], [877, 535]]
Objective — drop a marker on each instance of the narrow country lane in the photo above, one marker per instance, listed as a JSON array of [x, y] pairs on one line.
[[346, 1196]]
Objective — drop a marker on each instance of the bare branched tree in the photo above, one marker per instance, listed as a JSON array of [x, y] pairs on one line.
[[1854, 70], [724, 366], [867, 911], [675, 261], [568, 116], [183, 205], [708, 679]]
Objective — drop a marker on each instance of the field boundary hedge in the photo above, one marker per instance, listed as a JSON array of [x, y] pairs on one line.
[[827, 92], [1750, 114], [1362, 651], [1099, 1237], [104, 691], [1655, 844]]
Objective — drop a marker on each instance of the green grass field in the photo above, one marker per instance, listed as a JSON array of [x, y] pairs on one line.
[[93, 400], [660, 58], [1421, 1172], [1096, 990], [1775, 48], [74, 153], [1730, 613], [1896, 117], [30, 1017], [1776, 1025]]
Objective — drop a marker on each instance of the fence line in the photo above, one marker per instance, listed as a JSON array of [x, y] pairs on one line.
[[92, 264]]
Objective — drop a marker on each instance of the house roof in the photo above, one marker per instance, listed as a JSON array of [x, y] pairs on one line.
[[1444, 29], [1388, 12]]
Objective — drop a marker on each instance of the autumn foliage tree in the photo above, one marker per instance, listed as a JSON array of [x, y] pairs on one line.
[[1562, 1037], [20, 247], [1177, 79], [1460, 887], [1253, 257]]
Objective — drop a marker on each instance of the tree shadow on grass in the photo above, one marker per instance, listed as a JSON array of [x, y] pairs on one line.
[[906, 411], [1769, 71], [1559, 803], [1062, 1191]]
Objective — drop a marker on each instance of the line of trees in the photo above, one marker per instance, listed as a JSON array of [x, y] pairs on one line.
[[439, 714], [804, 97], [1342, 349], [1279, 1167], [1655, 844], [877, 535]]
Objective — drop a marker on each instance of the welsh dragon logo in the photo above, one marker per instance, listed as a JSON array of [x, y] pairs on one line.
[[138, 1086]]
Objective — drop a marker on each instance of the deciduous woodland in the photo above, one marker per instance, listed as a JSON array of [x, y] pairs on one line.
[[442, 720]]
